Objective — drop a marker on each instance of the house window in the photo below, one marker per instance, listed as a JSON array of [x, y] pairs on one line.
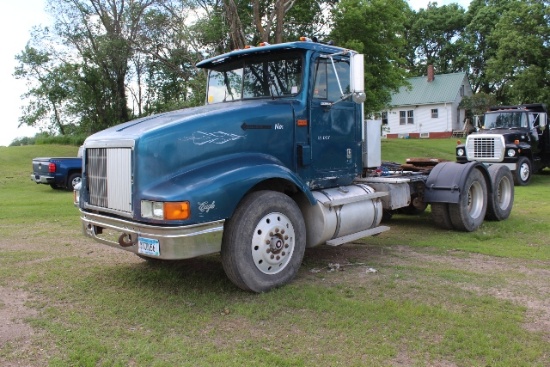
[[462, 90], [406, 117], [384, 118], [435, 113]]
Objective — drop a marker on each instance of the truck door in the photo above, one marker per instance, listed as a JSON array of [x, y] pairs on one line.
[[335, 133]]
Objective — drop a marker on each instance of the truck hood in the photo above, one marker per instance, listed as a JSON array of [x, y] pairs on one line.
[[510, 135], [167, 144], [137, 128]]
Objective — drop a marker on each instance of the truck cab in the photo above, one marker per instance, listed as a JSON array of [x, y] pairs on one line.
[[515, 136]]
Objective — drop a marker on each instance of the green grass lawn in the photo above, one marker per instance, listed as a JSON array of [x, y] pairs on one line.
[[413, 296]]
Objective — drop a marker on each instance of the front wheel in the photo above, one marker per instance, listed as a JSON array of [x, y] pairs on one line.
[[468, 214], [522, 174], [263, 242]]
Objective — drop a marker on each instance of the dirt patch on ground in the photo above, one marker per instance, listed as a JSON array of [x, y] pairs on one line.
[[12, 313], [15, 334], [525, 283]]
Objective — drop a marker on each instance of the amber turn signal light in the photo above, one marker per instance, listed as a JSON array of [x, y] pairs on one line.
[[177, 210]]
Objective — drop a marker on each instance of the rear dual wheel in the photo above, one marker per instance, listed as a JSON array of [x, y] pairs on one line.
[[441, 216], [501, 202], [468, 214], [264, 242]]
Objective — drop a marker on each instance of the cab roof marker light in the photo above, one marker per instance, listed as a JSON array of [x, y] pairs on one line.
[[264, 44], [305, 39]]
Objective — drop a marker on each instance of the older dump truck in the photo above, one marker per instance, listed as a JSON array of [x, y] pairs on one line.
[[278, 159], [513, 136]]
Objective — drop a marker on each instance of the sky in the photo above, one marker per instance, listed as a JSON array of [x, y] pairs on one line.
[[16, 20]]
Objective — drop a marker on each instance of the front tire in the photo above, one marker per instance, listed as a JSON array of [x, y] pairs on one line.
[[468, 214], [522, 175], [501, 202], [264, 242]]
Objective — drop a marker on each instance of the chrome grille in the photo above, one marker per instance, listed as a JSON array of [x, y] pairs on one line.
[[109, 175], [485, 148]]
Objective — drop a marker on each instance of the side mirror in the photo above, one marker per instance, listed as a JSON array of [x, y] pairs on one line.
[[477, 122], [357, 78]]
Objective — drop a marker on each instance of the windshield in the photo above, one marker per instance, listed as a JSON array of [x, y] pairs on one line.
[[505, 120], [273, 76]]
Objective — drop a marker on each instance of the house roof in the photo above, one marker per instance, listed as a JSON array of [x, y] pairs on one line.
[[444, 88]]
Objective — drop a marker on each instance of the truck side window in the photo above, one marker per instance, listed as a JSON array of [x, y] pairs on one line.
[[326, 83], [524, 121], [320, 89]]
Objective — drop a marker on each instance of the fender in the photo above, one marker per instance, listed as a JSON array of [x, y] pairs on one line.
[[445, 184], [214, 188]]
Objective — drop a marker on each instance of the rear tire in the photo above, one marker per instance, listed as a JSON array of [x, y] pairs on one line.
[[501, 201], [264, 242], [441, 216], [468, 214], [73, 180], [522, 175]]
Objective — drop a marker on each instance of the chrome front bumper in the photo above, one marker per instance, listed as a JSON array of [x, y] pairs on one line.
[[175, 243]]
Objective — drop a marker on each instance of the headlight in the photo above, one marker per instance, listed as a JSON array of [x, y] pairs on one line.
[[165, 210], [460, 152], [511, 152]]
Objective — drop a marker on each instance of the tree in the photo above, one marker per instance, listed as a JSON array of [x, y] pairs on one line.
[[168, 46], [434, 37], [479, 45], [102, 32], [478, 103], [50, 92], [374, 28], [520, 67]]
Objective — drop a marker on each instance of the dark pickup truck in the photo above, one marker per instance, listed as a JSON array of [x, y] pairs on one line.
[[59, 173]]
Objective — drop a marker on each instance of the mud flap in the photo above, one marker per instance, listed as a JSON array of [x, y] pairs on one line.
[[446, 181]]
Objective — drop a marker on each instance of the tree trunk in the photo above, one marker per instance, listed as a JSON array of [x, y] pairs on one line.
[[235, 26]]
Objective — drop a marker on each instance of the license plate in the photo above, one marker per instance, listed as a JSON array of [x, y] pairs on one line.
[[148, 246]]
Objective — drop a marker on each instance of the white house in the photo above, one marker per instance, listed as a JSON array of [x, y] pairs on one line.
[[429, 108]]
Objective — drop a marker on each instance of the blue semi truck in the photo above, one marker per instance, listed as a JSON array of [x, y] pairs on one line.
[[278, 159]]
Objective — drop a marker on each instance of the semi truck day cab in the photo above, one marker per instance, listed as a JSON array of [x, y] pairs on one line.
[[514, 136], [279, 159]]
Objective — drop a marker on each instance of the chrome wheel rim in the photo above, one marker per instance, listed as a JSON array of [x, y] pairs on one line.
[[273, 243]]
